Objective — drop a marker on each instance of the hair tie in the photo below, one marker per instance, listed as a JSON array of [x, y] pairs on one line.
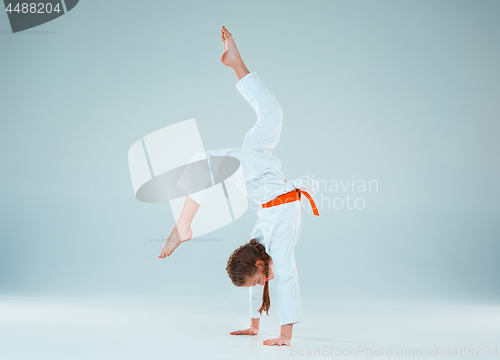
[[267, 279]]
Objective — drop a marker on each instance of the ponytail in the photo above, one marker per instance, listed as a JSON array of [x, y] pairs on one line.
[[241, 265], [266, 301]]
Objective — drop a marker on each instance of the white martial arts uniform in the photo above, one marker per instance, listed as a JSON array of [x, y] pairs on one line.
[[278, 227]]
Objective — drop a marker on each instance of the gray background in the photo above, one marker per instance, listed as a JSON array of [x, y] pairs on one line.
[[404, 92]]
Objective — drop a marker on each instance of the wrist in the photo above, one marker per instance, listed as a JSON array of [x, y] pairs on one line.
[[255, 323], [286, 331]]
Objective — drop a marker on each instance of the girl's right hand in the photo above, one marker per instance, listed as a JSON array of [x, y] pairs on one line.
[[250, 331]]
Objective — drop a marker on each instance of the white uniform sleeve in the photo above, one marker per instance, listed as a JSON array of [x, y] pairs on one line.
[[265, 134], [287, 293], [255, 300]]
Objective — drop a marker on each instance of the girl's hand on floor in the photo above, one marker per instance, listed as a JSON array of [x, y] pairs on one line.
[[282, 340], [249, 331]]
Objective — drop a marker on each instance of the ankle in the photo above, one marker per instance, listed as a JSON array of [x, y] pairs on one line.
[[184, 232], [237, 62], [240, 70]]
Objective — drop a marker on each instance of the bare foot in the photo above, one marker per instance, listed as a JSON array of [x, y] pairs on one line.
[[174, 239], [231, 55]]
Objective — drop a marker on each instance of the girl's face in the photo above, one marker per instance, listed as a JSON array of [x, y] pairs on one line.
[[260, 277]]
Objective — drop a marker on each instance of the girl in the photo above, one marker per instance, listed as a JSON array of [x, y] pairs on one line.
[[273, 238]]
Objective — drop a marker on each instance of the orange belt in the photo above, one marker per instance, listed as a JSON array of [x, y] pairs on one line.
[[291, 196]]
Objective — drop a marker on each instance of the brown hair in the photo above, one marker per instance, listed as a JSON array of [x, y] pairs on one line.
[[241, 265]]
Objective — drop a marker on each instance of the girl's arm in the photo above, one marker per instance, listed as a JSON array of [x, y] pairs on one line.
[[255, 303], [287, 291]]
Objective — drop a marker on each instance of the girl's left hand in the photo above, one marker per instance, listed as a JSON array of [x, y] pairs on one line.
[[282, 340]]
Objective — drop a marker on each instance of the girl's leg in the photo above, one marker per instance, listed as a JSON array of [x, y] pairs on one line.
[[265, 134], [231, 56], [182, 228]]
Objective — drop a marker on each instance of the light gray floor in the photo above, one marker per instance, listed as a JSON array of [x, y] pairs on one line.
[[108, 327]]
